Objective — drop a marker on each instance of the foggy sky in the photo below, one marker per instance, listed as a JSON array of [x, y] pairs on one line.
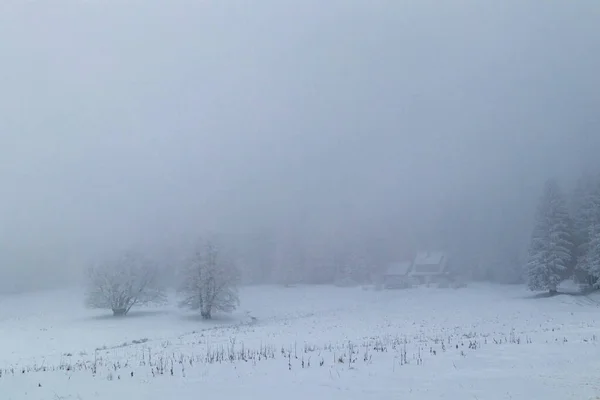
[[150, 121]]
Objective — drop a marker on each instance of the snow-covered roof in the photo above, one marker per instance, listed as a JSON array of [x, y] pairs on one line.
[[429, 257], [398, 268], [429, 263]]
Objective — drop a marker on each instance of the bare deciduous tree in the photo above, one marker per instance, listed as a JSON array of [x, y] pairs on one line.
[[120, 284], [210, 282]]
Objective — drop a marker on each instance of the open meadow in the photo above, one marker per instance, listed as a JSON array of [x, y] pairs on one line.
[[480, 342]]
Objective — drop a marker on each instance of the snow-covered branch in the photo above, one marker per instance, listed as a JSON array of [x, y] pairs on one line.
[[120, 284], [209, 282]]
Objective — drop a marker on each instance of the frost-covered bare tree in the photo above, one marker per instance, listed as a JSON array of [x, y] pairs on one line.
[[209, 282], [129, 280]]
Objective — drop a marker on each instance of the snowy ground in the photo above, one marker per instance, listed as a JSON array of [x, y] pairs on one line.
[[481, 342]]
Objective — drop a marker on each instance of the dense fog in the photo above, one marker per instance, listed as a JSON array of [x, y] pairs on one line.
[[296, 131]]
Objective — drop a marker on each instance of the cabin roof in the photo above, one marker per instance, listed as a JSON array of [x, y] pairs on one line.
[[429, 263]]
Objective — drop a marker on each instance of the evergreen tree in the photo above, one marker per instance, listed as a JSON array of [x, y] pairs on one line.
[[551, 248], [583, 211], [589, 226], [592, 265]]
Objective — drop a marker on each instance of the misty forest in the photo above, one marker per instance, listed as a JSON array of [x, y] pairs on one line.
[[343, 199]]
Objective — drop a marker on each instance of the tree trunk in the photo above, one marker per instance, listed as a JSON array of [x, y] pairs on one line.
[[206, 314], [553, 292], [591, 281], [119, 312]]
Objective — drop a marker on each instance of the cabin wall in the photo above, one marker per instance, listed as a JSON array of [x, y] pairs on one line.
[[396, 282]]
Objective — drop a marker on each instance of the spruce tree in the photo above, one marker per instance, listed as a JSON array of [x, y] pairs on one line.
[[583, 211], [592, 265], [589, 250], [551, 248]]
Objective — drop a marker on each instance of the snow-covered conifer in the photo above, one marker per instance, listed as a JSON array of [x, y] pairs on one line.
[[551, 247], [582, 208], [592, 259], [588, 228]]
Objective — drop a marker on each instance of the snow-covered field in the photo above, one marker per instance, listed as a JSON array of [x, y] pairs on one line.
[[319, 342]]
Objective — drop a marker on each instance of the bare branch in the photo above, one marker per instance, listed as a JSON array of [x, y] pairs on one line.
[[210, 282], [122, 283]]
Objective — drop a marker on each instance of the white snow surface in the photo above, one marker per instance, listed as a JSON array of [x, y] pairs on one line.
[[308, 342]]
